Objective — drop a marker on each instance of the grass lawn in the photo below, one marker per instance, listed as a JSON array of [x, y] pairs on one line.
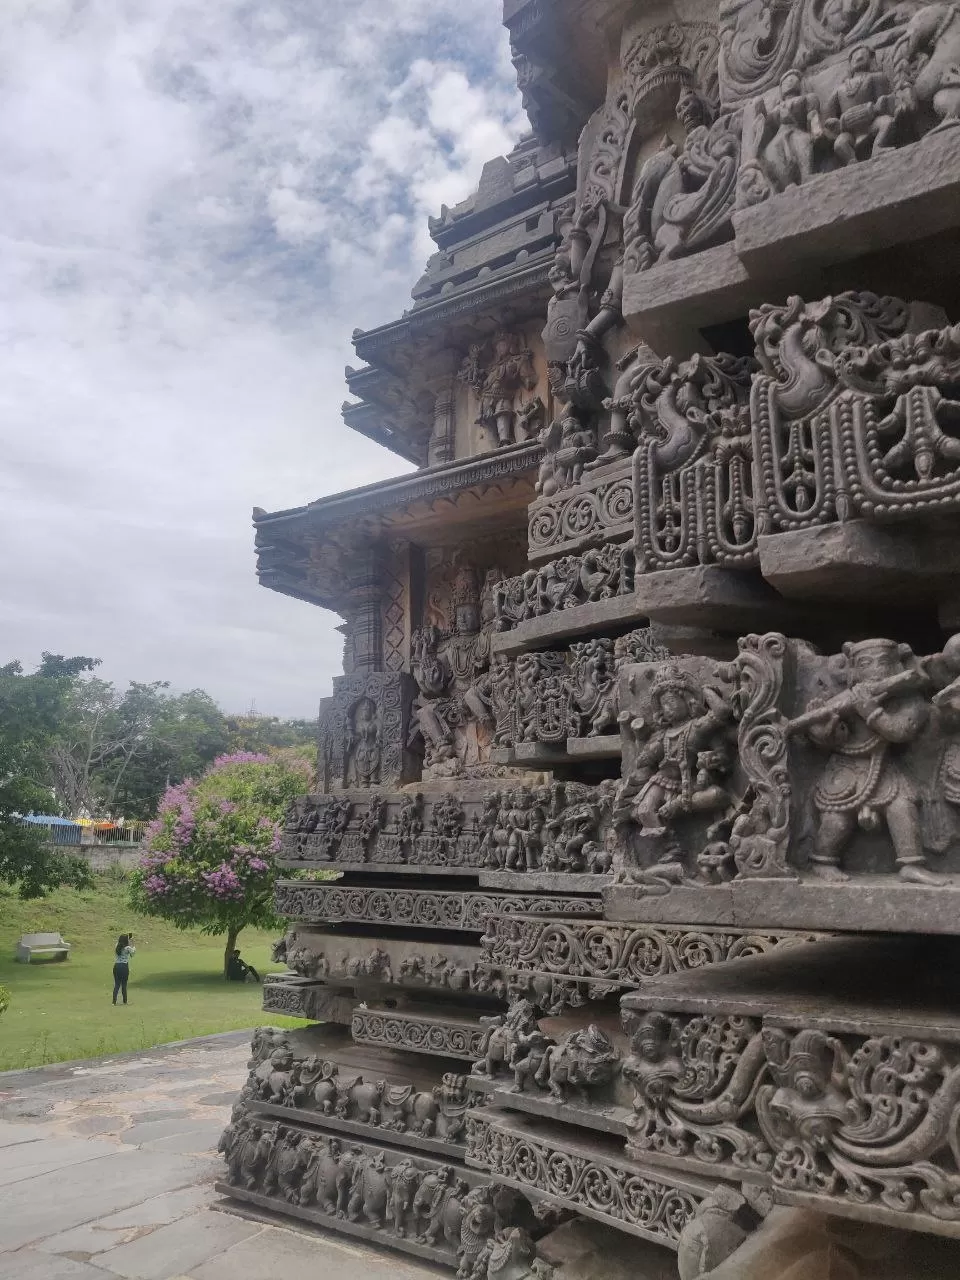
[[61, 1010]]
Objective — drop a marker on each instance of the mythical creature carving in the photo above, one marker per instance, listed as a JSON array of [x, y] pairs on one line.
[[583, 1060], [681, 1112], [693, 481]]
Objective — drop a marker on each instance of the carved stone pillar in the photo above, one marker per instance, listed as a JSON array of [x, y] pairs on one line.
[[442, 446], [365, 570]]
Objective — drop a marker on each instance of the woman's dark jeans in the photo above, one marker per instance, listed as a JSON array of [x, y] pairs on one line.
[[121, 976]]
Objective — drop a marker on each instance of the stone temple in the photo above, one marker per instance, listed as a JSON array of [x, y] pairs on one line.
[[639, 796]]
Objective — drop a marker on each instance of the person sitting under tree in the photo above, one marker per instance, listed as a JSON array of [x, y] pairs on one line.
[[238, 970]]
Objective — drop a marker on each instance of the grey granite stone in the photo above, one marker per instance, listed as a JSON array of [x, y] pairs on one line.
[[151, 1129], [109, 1184], [303, 1255], [25, 1264], [859, 561], [876, 904], [23, 1162], [174, 1249], [709, 597], [586, 619], [898, 196]]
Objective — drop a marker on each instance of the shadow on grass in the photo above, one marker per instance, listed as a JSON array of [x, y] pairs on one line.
[[195, 979]]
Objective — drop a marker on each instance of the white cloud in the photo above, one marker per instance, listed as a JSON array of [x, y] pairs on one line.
[[197, 206]]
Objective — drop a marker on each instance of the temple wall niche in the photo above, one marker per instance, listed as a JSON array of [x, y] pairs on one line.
[[502, 394]]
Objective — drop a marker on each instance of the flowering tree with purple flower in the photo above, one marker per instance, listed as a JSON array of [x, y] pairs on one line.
[[210, 859]]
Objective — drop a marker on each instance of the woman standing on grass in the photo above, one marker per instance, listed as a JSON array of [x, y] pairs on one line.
[[121, 966]]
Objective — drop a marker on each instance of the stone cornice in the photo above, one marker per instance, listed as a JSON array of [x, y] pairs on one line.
[[530, 276], [390, 494]]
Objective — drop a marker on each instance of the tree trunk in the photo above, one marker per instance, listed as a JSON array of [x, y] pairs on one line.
[[232, 935]]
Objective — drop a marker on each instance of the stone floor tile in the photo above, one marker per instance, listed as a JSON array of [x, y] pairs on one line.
[[12, 1135], [173, 1250], [91, 1125], [30, 1160], [160, 1210], [201, 1138], [147, 1131], [25, 1264], [36, 1209], [89, 1239], [294, 1256]]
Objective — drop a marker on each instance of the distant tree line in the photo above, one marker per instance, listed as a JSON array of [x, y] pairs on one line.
[[72, 742]]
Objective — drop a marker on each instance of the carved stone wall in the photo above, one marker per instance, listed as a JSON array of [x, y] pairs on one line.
[[413, 908], [364, 731], [556, 827], [615, 956], [851, 1121], [785, 765]]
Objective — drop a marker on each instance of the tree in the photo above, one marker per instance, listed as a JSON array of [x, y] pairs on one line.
[[30, 710], [211, 851], [117, 752], [254, 732]]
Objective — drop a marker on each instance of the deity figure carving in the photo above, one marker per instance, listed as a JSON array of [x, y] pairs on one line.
[[574, 828], [863, 730], [863, 113], [682, 758], [452, 715], [683, 198], [499, 382], [569, 276], [542, 697], [410, 819], [787, 134], [568, 446], [363, 745]]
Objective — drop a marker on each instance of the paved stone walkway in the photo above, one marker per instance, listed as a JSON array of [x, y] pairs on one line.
[[107, 1169]]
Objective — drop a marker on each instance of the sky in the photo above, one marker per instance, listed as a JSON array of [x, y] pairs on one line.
[[198, 204]]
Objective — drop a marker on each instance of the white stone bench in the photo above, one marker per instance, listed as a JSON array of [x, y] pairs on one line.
[[42, 944]]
